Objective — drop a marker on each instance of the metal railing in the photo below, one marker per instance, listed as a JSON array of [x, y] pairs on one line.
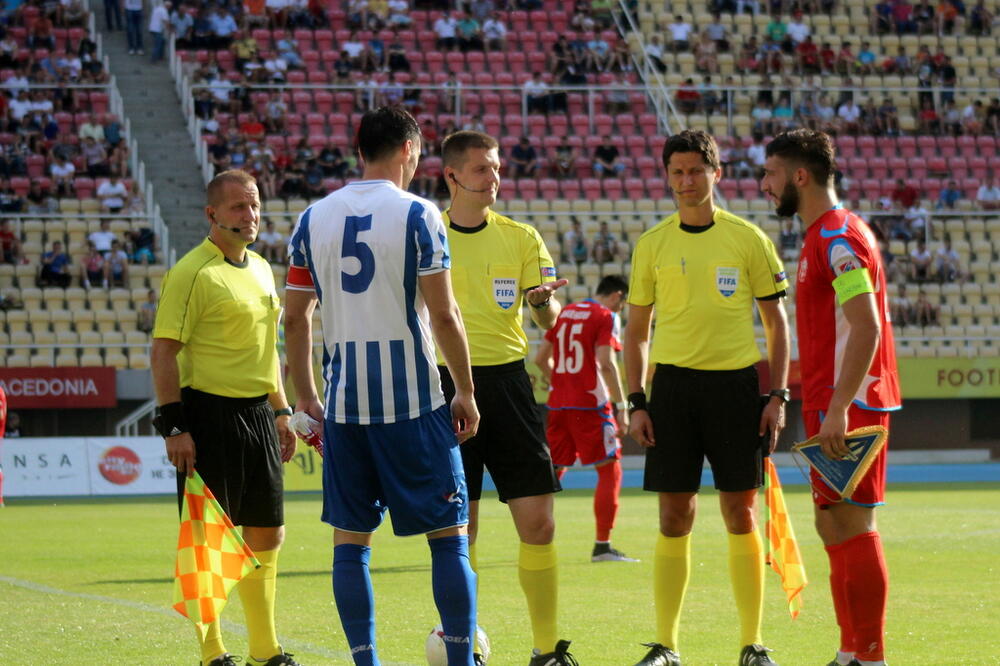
[[129, 426]]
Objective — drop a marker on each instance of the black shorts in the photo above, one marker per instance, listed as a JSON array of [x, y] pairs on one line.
[[237, 455], [700, 414], [511, 437]]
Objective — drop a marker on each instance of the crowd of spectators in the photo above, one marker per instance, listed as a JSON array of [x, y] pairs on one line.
[[948, 17], [105, 263]]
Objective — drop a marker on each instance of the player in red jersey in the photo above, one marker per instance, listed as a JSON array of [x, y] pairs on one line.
[[586, 404], [849, 378]]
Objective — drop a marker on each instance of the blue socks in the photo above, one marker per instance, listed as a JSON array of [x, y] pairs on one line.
[[352, 590], [454, 585]]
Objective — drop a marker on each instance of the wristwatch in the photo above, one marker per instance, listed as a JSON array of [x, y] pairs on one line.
[[783, 393]]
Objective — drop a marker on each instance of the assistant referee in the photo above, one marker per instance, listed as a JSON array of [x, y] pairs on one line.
[[702, 269], [222, 407]]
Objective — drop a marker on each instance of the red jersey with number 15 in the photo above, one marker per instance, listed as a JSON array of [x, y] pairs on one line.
[[839, 242], [580, 329]]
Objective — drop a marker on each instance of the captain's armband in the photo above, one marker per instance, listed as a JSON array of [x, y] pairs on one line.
[[853, 283]]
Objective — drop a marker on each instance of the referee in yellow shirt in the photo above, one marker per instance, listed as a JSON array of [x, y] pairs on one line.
[[702, 269], [222, 406], [496, 265]]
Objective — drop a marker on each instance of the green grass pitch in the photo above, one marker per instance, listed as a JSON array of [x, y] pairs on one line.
[[89, 581]]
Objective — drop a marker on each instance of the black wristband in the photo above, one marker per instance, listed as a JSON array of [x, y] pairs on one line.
[[285, 411], [636, 401], [169, 420], [541, 306]]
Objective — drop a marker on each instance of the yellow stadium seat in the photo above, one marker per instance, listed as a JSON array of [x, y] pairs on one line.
[[106, 320], [42, 358], [62, 320], [18, 359], [21, 338], [568, 271], [67, 358], [538, 205], [138, 361], [115, 358]]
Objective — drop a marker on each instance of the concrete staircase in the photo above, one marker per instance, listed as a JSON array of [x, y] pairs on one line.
[[157, 123]]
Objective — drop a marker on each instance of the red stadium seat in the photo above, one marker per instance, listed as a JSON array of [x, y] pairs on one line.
[[947, 146], [647, 166], [635, 187], [324, 101], [730, 188], [21, 184], [857, 167], [324, 40], [527, 188], [558, 125], [917, 166], [571, 188], [549, 188], [591, 188], [614, 188], [866, 146], [907, 146], [970, 187], [656, 188], [898, 165], [927, 146], [878, 167], [958, 167], [978, 167], [99, 102], [302, 101], [987, 145], [517, 61], [649, 124], [626, 124], [847, 146], [36, 166], [85, 187]]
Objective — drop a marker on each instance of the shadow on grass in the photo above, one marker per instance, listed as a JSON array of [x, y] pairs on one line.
[[325, 573]]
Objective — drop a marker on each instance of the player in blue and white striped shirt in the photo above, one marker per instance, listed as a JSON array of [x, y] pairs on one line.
[[375, 258]]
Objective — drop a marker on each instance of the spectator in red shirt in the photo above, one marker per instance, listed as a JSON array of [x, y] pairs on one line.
[[827, 58], [904, 195], [807, 56], [252, 130], [10, 243], [687, 97]]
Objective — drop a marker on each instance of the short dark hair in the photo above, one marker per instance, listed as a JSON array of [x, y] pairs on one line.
[[692, 141], [455, 144], [811, 149], [609, 284], [384, 130]]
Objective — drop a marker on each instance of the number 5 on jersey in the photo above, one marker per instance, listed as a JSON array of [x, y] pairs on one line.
[[352, 247]]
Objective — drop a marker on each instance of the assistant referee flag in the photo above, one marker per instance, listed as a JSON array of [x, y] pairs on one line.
[[782, 549], [211, 555]]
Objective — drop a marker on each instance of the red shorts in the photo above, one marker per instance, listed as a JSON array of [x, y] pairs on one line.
[[871, 491], [587, 434]]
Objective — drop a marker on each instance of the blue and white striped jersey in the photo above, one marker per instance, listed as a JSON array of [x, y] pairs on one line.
[[361, 249]]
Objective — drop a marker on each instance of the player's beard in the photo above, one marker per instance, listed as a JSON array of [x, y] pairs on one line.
[[788, 203]]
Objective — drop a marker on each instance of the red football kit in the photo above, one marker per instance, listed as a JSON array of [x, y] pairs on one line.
[[838, 243], [580, 422]]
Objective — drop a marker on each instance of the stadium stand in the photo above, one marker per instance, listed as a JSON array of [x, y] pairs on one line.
[[70, 177], [284, 96]]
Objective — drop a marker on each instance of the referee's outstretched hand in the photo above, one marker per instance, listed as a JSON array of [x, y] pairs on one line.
[[464, 416], [180, 451], [543, 292], [641, 428]]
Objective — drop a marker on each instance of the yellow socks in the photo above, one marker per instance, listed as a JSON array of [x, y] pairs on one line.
[[671, 570], [536, 568], [257, 595], [746, 570], [211, 642]]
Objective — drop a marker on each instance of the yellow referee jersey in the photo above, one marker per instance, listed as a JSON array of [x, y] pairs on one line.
[[491, 267], [702, 282], [227, 317]]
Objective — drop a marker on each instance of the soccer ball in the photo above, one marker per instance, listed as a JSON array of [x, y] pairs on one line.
[[438, 656]]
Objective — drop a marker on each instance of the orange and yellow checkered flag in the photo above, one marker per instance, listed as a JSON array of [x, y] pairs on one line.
[[211, 556], [782, 548]]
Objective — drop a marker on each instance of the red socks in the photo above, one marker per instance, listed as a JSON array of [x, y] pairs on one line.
[[609, 481], [859, 582]]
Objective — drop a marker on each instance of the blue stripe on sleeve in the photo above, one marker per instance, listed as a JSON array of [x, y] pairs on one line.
[[301, 245], [374, 362], [400, 396], [445, 251], [417, 222], [350, 382]]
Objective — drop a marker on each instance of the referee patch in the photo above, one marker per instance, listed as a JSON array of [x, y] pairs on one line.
[[504, 292], [727, 279]]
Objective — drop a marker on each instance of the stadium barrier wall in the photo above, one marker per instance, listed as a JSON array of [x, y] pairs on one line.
[[108, 466]]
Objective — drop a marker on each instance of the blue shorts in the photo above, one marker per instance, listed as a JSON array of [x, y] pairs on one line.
[[412, 468]]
